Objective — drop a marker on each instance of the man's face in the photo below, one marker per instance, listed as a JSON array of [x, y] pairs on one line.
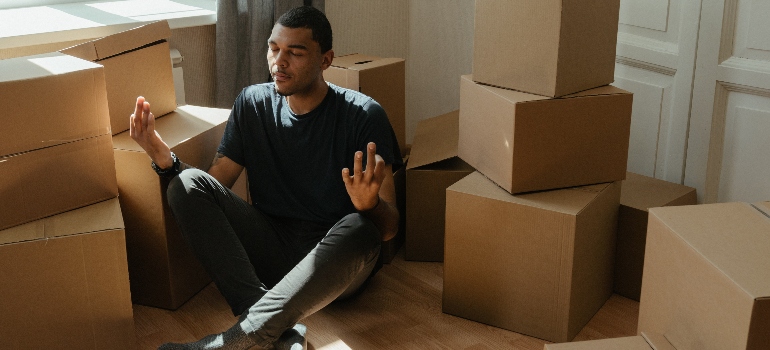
[[295, 60]]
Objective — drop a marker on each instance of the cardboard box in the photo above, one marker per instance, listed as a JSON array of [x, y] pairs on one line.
[[539, 264], [645, 341], [434, 167], [638, 193], [56, 179], [706, 282], [50, 99], [383, 79], [549, 48], [164, 271], [136, 63], [525, 142], [66, 285]]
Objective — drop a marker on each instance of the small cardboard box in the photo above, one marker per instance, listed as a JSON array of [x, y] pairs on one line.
[[434, 166], [383, 79], [646, 341], [65, 282], [49, 100], [706, 282], [638, 193], [525, 142], [164, 271], [136, 63], [539, 264], [549, 48], [56, 179]]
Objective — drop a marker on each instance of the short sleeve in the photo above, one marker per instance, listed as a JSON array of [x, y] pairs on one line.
[[231, 145]]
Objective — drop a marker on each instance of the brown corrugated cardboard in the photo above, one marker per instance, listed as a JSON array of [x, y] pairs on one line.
[[525, 142], [643, 342], [434, 166], [638, 193], [382, 79], [164, 271], [706, 282], [549, 48], [539, 264], [50, 99], [70, 289], [136, 62], [56, 179]]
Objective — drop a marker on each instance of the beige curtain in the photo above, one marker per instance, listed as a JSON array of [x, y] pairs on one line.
[[243, 27]]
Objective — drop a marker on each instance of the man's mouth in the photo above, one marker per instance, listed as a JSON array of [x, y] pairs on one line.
[[278, 76]]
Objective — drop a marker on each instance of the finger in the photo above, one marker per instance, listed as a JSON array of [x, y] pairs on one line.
[[150, 123], [346, 177], [379, 169], [357, 166], [131, 128], [370, 161], [139, 105], [146, 115]]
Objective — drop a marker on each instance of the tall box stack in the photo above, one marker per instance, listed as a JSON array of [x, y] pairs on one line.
[[382, 79], [136, 63], [538, 263], [164, 271], [62, 247], [638, 193], [550, 136], [706, 282], [433, 167]]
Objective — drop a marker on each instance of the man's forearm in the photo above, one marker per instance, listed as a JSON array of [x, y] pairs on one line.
[[385, 216]]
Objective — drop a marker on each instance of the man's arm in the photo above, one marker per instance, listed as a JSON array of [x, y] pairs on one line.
[[142, 130], [372, 191]]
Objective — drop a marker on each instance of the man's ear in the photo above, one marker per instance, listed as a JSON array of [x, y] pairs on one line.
[[328, 57]]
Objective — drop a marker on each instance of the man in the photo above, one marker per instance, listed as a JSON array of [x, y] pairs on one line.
[[312, 235]]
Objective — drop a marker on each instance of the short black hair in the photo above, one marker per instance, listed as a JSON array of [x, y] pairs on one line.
[[313, 18]]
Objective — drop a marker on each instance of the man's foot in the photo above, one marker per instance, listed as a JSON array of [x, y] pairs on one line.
[[292, 339]]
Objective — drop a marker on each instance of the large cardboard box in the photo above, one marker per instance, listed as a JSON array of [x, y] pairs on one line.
[[550, 48], [434, 166], [539, 264], [525, 142], [56, 179], [136, 63], [65, 282], [706, 282], [645, 341], [49, 100], [383, 79], [638, 193], [164, 271]]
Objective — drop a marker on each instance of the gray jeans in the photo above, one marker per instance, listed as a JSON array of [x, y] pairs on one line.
[[279, 270]]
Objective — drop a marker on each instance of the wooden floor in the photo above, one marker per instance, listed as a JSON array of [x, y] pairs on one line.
[[401, 309]]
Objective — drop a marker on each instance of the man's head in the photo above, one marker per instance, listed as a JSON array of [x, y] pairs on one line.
[[299, 50]]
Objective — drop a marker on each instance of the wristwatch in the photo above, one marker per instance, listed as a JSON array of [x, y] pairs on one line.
[[170, 172]]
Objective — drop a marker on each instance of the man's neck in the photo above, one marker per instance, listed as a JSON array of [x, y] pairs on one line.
[[303, 103]]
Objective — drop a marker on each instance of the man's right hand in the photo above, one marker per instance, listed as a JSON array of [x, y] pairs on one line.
[[142, 130]]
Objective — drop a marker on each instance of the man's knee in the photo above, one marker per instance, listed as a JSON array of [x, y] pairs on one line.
[[183, 185], [362, 231]]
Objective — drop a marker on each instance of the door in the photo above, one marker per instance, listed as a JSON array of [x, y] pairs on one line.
[[656, 60], [729, 141]]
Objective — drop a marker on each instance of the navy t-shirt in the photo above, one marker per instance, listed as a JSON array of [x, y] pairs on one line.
[[294, 162]]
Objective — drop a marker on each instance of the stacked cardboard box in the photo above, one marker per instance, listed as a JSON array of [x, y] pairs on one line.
[[62, 247], [382, 79], [638, 193], [164, 272], [645, 341], [537, 115], [706, 282], [433, 167]]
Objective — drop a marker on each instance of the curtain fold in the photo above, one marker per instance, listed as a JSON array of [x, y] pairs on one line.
[[242, 29]]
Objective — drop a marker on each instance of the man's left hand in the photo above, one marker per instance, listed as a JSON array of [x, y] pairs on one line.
[[364, 185]]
